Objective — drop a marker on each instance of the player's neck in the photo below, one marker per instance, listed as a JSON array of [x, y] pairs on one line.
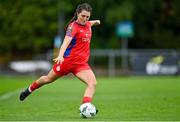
[[80, 23]]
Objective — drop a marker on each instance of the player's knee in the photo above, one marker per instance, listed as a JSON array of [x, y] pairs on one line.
[[95, 83], [46, 79], [92, 84]]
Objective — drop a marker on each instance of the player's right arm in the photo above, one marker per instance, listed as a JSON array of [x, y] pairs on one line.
[[70, 33], [66, 42]]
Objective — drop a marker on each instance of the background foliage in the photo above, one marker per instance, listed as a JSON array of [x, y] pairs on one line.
[[29, 26]]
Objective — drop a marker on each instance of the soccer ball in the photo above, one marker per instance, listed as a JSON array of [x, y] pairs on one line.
[[87, 110]]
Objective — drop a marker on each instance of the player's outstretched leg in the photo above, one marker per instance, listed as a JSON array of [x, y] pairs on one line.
[[51, 77]]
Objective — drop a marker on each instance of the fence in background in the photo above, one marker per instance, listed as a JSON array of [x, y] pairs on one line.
[[109, 63], [138, 62]]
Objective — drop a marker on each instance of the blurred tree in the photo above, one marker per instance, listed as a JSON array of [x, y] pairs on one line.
[[123, 11], [157, 24], [29, 26]]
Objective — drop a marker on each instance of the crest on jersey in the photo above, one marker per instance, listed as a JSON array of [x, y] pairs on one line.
[[58, 68], [69, 31]]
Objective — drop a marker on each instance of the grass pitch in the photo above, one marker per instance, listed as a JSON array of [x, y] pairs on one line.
[[118, 99]]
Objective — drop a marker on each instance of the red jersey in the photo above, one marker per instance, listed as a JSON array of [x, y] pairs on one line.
[[78, 50]]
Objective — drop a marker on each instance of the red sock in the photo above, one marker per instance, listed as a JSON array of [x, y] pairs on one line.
[[34, 86], [87, 99]]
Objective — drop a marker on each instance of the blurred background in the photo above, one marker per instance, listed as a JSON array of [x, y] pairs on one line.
[[136, 37]]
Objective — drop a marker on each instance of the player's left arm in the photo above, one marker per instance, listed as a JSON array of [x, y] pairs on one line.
[[95, 22]]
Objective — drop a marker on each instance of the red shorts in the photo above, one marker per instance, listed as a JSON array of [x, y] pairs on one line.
[[69, 67]]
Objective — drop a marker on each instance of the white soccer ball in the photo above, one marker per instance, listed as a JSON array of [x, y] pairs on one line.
[[87, 110]]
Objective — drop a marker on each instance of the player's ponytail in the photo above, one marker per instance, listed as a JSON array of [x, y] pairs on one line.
[[73, 19], [84, 6]]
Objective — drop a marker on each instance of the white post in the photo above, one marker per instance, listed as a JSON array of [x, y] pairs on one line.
[[111, 64], [124, 48]]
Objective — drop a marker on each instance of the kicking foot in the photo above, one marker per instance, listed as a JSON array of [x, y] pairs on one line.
[[24, 94], [97, 111]]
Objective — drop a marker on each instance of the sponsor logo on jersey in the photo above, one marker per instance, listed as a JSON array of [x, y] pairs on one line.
[[58, 68]]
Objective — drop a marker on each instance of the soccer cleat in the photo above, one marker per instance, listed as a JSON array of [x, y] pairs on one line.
[[24, 94], [97, 111]]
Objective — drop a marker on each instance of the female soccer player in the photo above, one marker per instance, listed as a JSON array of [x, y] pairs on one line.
[[73, 55]]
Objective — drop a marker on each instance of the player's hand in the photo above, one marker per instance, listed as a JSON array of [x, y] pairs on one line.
[[98, 22], [59, 60]]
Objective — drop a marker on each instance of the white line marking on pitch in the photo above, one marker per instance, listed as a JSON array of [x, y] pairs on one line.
[[9, 94]]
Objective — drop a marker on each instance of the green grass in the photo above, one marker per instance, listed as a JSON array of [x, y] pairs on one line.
[[118, 99]]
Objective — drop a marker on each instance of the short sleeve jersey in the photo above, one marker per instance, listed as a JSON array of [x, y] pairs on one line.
[[79, 49]]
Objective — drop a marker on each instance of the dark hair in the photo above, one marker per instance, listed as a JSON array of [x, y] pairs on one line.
[[80, 7]]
